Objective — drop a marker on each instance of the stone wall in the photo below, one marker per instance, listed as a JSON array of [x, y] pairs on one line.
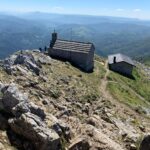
[[122, 68], [82, 60]]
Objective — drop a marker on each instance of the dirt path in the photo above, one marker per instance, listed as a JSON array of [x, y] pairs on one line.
[[121, 108], [104, 82]]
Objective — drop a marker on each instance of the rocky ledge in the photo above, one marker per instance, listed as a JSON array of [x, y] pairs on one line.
[[27, 119]]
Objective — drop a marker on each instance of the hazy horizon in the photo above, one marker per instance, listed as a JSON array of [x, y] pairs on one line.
[[113, 8], [16, 13]]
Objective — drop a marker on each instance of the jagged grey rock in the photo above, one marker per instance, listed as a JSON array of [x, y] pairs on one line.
[[12, 96], [22, 70], [29, 61], [26, 59], [43, 59], [15, 102], [34, 109], [28, 119], [31, 127], [59, 126], [22, 58], [33, 67], [25, 107], [8, 64], [20, 108]]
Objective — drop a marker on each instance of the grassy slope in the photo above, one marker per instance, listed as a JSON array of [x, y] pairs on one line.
[[135, 93], [85, 85]]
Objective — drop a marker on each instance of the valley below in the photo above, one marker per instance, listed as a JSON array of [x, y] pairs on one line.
[[108, 34]]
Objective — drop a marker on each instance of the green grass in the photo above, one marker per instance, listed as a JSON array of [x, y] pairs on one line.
[[125, 95], [125, 89]]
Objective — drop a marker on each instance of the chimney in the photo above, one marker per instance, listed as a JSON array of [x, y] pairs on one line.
[[114, 59], [54, 38]]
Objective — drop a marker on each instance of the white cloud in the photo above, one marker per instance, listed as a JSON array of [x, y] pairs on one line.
[[119, 9], [137, 10]]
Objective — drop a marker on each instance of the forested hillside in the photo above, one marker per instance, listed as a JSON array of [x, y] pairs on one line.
[[109, 34]]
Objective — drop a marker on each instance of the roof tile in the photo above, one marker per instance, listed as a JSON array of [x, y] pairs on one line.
[[73, 46]]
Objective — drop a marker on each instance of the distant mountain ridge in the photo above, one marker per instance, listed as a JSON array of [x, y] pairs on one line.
[[109, 34]]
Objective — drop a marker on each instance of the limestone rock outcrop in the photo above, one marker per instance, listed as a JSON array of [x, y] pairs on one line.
[[11, 64], [27, 119], [31, 127]]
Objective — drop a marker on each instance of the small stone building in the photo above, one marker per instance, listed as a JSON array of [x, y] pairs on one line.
[[78, 53], [121, 64]]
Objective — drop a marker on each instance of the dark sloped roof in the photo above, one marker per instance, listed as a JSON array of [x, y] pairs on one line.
[[120, 58], [73, 46]]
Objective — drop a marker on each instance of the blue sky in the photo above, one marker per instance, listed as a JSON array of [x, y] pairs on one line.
[[123, 8]]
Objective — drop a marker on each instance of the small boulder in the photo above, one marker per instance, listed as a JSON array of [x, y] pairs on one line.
[[45, 59], [12, 96], [34, 109]]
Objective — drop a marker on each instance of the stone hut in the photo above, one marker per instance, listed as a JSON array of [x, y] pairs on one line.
[[121, 64], [79, 54]]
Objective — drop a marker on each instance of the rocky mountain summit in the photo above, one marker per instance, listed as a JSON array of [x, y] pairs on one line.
[[48, 104]]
